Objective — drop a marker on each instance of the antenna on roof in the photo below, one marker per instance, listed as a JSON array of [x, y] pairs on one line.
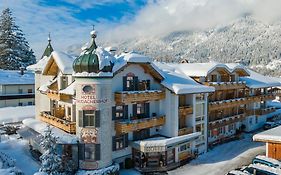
[[93, 32]]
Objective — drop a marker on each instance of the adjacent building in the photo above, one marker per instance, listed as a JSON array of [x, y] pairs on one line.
[[130, 110], [16, 88]]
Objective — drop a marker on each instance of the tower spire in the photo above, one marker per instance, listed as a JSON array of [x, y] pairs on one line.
[[49, 37]]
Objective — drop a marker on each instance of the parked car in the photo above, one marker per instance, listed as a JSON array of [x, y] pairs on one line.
[[260, 169], [238, 172], [260, 159], [269, 125]]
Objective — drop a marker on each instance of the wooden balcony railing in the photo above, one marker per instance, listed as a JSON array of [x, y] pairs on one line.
[[54, 95], [226, 121], [60, 123], [126, 126], [185, 110], [262, 111], [227, 85], [126, 97], [239, 101], [184, 131]]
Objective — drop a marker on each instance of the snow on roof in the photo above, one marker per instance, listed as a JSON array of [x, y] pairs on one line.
[[45, 87], [64, 61], [69, 90], [16, 114], [198, 69], [268, 159], [238, 172], [271, 135], [256, 80], [105, 58], [14, 77], [40, 127], [133, 57], [39, 66], [165, 142], [178, 82], [265, 168]]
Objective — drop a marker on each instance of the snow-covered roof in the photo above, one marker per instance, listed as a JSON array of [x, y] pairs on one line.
[[163, 143], [178, 82], [39, 66], [271, 135], [64, 61], [256, 80], [45, 87], [265, 168], [198, 69], [14, 77], [40, 127], [16, 114], [69, 90]]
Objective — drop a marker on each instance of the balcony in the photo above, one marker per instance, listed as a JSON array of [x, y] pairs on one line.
[[57, 121], [185, 110], [126, 97], [226, 121], [239, 101], [54, 95], [126, 126], [185, 130], [226, 85], [262, 111]]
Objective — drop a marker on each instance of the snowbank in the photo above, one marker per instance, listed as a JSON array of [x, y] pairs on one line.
[[104, 171], [16, 114]]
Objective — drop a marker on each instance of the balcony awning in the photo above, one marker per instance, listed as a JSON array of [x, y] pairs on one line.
[[161, 144]]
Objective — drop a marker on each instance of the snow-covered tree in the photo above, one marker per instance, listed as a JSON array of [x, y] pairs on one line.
[[51, 161], [14, 49]]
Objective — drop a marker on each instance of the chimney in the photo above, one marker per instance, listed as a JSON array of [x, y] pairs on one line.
[[22, 70]]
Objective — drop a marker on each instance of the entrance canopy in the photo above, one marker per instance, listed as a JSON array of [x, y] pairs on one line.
[[161, 144]]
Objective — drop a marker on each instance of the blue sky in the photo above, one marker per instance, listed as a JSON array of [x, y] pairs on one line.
[[70, 21]]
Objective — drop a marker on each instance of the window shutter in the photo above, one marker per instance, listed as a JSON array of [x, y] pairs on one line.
[[80, 115], [125, 114], [136, 83], [113, 143], [81, 151], [97, 151], [97, 119], [147, 109], [114, 113], [126, 140], [134, 110], [124, 83]]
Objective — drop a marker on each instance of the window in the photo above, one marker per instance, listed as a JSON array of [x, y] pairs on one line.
[[29, 91], [20, 104], [213, 78], [64, 82], [89, 118], [141, 134], [120, 112], [29, 103], [92, 152], [120, 142], [141, 110], [20, 91], [184, 147], [130, 82]]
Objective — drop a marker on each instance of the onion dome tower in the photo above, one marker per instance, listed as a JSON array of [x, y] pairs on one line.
[[94, 105], [89, 61]]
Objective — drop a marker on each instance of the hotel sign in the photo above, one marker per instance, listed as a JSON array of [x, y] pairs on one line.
[[88, 165], [88, 95], [153, 148]]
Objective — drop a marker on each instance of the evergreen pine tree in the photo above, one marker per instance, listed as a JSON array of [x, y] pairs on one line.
[[51, 161], [14, 49]]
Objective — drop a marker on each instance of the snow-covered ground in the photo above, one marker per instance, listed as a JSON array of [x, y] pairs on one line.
[[18, 149], [223, 158], [16, 114]]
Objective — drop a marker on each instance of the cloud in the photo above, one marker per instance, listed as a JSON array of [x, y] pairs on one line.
[[164, 16]]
